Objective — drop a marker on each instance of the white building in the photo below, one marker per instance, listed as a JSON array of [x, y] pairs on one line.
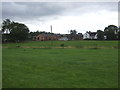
[[90, 35], [63, 39]]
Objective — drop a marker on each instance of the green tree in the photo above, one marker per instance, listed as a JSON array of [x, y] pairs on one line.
[[119, 33], [100, 35], [14, 31], [19, 32], [6, 26], [111, 32], [73, 32]]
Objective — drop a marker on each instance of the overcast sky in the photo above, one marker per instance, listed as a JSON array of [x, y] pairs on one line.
[[63, 16]]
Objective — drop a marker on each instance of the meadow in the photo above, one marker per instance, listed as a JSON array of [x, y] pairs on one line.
[[47, 64]]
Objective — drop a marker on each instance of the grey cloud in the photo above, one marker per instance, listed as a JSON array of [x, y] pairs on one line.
[[34, 10], [88, 7], [29, 10]]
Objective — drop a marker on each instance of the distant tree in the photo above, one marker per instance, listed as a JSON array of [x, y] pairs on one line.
[[111, 32], [19, 32], [100, 35], [6, 26], [5, 30], [13, 31], [73, 32], [62, 45], [119, 33]]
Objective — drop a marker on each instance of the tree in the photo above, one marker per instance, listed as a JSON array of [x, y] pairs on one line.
[[5, 30], [100, 35], [73, 32], [119, 33], [19, 32], [111, 32], [6, 26], [14, 31]]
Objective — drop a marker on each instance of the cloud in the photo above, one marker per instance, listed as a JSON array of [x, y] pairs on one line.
[[63, 15], [30, 10]]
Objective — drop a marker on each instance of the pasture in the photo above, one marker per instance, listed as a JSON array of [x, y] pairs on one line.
[[45, 64]]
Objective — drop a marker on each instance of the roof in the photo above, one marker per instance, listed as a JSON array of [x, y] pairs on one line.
[[92, 33]]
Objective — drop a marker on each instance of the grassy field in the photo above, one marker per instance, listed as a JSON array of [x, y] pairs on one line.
[[74, 44], [80, 64]]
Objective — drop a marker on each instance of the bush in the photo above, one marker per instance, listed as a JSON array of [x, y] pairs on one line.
[[62, 45], [18, 46]]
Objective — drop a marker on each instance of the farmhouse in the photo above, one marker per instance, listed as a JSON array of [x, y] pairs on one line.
[[90, 35]]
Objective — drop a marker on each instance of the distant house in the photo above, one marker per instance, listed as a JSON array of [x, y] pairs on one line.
[[90, 35], [63, 39], [46, 37], [86, 36]]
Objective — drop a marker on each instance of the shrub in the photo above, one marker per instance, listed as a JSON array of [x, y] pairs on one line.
[[62, 45]]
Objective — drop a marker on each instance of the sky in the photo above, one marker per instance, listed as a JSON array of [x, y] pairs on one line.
[[63, 16]]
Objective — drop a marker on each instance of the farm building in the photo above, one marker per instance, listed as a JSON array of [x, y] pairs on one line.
[[90, 35], [46, 37], [63, 39]]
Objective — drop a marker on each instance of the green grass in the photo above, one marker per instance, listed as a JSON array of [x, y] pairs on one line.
[[60, 67], [77, 44]]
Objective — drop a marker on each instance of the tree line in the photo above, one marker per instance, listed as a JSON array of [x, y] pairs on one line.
[[17, 32], [111, 32]]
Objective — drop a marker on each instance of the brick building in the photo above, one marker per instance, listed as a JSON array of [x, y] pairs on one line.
[[46, 37]]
